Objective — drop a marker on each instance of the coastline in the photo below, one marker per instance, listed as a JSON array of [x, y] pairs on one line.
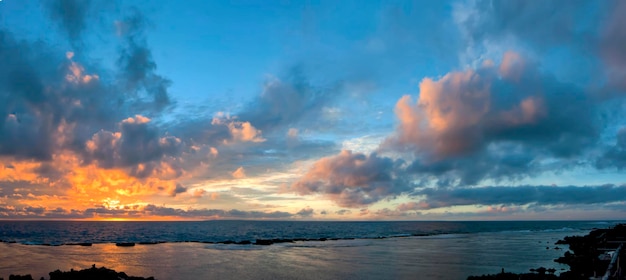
[[597, 255]]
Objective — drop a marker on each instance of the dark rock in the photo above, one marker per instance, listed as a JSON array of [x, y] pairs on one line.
[[513, 276], [125, 244], [93, 273], [79, 244], [263, 242], [20, 277], [275, 240], [541, 270]]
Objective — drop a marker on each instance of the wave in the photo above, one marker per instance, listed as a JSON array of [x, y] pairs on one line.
[[234, 247], [332, 244], [259, 233]]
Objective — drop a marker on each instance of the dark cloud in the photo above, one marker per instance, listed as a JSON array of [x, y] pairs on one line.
[[611, 46], [559, 21], [23, 97], [214, 213], [615, 156], [305, 212], [70, 15], [353, 179], [138, 145], [589, 35], [22, 212], [287, 102], [179, 189], [519, 195], [138, 68]]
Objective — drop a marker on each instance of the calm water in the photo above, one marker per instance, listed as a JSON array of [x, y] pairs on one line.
[[449, 250]]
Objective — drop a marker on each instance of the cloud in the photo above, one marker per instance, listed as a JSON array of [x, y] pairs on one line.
[[199, 193], [612, 40], [54, 100], [245, 132], [292, 133], [70, 15], [352, 179], [485, 20], [284, 103], [615, 156], [463, 112], [512, 114], [239, 173], [519, 195], [138, 145], [24, 99], [493, 122], [71, 127], [305, 212], [138, 67], [178, 190], [588, 36], [412, 206], [239, 131], [500, 121], [135, 212]]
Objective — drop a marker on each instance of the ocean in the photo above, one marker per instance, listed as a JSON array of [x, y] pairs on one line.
[[350, 250]]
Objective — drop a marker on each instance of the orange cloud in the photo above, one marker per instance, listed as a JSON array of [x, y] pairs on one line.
[[351, 179], [70, 184], [245, 132], [239, 173], [454, 114], [412, 206], [76, 72], [512, 66], [13, 171], [239, 131]]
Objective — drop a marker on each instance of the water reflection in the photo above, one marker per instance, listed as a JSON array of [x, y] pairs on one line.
[[435, 257]]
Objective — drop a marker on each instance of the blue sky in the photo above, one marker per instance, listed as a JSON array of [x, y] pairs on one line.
[[312, 110]]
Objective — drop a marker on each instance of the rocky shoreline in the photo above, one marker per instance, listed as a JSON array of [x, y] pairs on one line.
[[92, 273], [590, 257]]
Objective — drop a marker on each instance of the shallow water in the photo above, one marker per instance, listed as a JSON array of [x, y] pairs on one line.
[[446, 256]]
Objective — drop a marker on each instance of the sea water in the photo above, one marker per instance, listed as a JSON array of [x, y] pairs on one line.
[[362, 250]]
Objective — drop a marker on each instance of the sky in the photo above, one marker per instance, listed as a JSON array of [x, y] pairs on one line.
[[312, 110]]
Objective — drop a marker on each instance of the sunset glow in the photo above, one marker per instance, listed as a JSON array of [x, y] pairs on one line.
[[430, 110]]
